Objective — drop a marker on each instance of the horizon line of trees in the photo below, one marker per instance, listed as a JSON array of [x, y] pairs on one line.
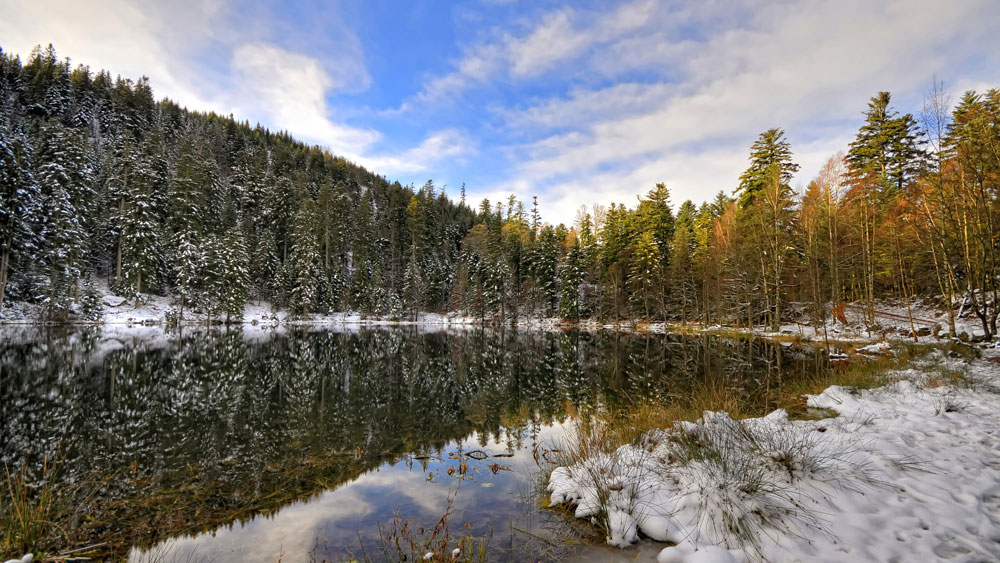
[[98, 180]]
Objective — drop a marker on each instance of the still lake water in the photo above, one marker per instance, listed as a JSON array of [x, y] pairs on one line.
[[314, 444]]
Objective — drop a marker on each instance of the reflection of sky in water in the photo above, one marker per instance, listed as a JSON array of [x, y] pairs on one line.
[[333, 523]]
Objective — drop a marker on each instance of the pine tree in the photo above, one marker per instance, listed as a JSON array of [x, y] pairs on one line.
[[972, 145], [187, 203], [644, 276], [64, 184], [362, 270], [543, 260], [413, 287], [682, 274], [189, 268], [140, 240], [770, 152], [232, 277], [655, 216], [306, 266], [571, 274], [882, 159], [19, 197], [888, 146]]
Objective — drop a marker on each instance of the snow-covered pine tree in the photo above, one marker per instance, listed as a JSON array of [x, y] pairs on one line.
[[544, 265], [19, 202], [187, 202], [63, 179], [645, 275], [362, 271], [140, 243], [306, 264], [571, 276], [231, 284], [413, 287]]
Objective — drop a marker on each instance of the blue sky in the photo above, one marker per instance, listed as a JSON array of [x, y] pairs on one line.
[[577, 103]]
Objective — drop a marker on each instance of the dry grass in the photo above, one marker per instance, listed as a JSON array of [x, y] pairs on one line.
[[945, 377], [859, 373], [628, 425], [38, 513]]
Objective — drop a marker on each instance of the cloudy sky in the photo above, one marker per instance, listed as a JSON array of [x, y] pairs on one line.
[[577, 103]]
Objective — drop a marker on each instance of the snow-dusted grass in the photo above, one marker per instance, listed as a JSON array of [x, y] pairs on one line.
[[909, 471]]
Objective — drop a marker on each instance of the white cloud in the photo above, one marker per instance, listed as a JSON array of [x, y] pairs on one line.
[[289, 90], [809, 68], [551, 42], [560, 36], [438, 146]]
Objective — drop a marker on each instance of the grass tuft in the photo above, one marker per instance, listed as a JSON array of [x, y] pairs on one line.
[[40, 514]]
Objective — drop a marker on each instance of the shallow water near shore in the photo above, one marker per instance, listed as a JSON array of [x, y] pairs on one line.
[[319, 445]]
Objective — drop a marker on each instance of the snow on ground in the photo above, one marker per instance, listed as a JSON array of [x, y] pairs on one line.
[[907, 472], [892, 320], [153, 310]]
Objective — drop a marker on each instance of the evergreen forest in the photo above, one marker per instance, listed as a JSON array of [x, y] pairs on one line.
[[103, 185]]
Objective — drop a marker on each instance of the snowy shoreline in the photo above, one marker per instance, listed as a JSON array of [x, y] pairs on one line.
[[154, 310], [906, 472]]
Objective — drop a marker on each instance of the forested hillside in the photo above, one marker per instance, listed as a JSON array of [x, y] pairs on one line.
[[102, 183]]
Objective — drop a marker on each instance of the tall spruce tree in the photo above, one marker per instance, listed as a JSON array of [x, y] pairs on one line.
[[19, 203], [770, 152], [63, 180], [306, 267], [888, 147]]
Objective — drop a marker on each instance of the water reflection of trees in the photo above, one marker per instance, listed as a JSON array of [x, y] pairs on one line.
[[245, 415]]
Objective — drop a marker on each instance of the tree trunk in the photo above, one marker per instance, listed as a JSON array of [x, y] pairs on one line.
[[902, 284], [4, 263], [118, 265], [138, 287]]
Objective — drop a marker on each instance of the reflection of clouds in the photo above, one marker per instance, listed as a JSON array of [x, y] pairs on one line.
[[291, 533], [358, 507], [411, 484]]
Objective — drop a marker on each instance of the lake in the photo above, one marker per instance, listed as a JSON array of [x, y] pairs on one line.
[[306, 444]]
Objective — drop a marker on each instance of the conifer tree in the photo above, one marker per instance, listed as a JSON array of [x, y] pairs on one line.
[[362, 270], [306, 264], [187, 201], [770, 152], [655, 216], [139, 244], [64, 185], [888, 146], [19, 199], [645, 272], [232, 277], [682, 275], [571, 274]]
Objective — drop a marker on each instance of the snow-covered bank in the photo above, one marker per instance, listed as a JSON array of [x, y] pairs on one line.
[[156, 309], [845, 333], [907, 472]]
